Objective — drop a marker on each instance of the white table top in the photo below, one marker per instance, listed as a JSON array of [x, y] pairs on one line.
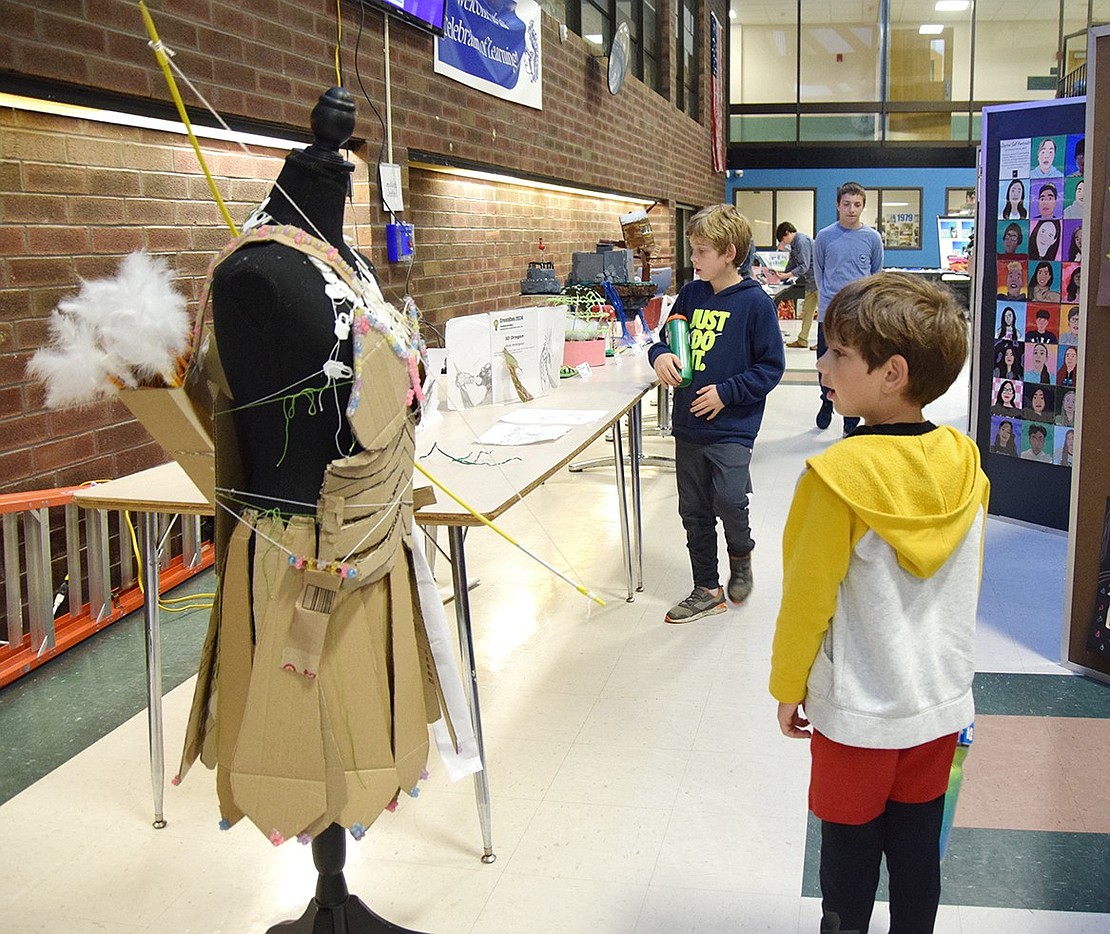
[[613, 389]]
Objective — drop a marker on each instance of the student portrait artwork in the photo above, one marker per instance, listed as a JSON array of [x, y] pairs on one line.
[[1009, 321], [1048, 157], [1036, 442], [1004, 435], [1013, 240], [1009, 360], [1073, 242], [1038, 245], [1040, 403], [1044, 282], [1042, 323], [1011, 200], [1074, 195], [1007, 398], [1071, 282], [1065, 411], [1012, 279], [1047, 199], [1040, 363], [1044, 239]]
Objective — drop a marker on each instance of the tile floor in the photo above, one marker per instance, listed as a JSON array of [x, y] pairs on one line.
[[639, 783]]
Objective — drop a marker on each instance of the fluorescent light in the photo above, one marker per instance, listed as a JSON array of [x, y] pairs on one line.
[[595, 38], [930, 30], [503, 179], [952, 6], [78, 112]]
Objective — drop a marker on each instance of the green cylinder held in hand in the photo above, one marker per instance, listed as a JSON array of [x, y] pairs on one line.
[[678, 339]]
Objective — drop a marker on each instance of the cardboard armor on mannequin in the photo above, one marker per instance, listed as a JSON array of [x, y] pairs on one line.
[[324, 692]]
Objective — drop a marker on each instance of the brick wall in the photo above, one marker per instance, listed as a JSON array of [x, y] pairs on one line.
[[76, 195]]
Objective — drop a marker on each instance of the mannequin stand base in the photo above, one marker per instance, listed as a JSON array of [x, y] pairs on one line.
[[350, 917]]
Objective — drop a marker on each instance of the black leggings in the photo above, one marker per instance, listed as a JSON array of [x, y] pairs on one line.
[[909, 834]]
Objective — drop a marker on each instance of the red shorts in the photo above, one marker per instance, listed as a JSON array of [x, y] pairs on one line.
[[851, 785]]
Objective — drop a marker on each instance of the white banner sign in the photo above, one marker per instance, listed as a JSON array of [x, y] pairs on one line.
[[494, 47]]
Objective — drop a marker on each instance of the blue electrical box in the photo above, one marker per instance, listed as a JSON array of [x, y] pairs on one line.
[[398, 241]]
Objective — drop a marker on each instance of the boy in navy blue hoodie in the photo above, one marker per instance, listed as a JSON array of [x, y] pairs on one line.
[[738, 358]]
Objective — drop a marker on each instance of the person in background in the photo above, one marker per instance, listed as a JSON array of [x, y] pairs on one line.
[[874, 649], [843, 252], [738, 358], [799, 268]]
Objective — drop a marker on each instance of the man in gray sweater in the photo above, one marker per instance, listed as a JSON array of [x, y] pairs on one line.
[[843, 252]]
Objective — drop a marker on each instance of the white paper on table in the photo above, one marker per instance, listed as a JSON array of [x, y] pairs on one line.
[[531, 416], [505, 433]]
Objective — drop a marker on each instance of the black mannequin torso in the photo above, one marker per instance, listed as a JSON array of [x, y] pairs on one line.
[[275, 329]]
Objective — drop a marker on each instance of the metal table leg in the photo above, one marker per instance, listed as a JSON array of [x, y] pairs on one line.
[[456, 537], [153, 663], [622, 503], [635, 457]]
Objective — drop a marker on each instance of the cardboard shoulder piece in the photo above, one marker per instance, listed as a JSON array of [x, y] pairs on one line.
[[481, 348]]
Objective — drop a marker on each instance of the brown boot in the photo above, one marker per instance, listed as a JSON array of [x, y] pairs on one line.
[[740, 577]]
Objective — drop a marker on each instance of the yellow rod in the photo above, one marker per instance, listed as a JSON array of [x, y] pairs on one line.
[[512, 541], [163, 60]]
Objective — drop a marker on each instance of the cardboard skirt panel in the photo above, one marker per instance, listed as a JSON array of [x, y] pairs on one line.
[[295, 753]]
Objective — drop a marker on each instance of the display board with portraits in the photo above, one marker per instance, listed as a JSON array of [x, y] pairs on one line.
[[1031, 215]]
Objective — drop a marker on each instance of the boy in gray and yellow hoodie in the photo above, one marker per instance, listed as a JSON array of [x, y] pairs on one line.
[[882, 558]]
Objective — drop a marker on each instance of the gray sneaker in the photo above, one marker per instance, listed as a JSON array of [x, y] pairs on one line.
[[740, 578], [701, 602]]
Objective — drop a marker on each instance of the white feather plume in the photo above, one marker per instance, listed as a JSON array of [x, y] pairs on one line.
[[128, 331]]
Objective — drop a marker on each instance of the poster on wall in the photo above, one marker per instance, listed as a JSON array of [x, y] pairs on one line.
[[493, 46], [1031, 213]]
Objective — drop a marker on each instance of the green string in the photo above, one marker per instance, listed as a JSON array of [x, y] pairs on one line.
[[477, 459]]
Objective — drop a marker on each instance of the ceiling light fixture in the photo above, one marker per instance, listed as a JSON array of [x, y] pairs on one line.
[[930, 30], [952, 6]]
